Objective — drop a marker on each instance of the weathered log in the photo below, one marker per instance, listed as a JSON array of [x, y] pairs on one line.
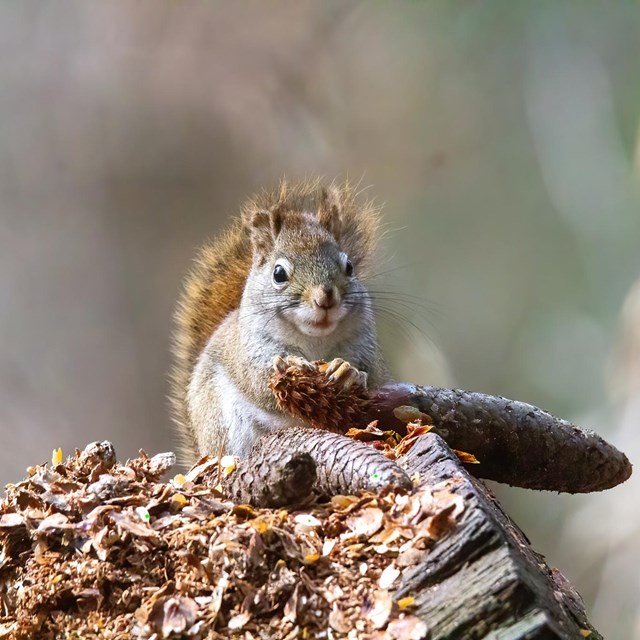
[[483, 580]]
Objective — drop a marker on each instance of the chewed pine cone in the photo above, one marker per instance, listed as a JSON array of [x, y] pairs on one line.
[[330, 396]]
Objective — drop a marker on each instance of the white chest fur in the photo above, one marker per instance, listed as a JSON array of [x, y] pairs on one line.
[[244, 420]]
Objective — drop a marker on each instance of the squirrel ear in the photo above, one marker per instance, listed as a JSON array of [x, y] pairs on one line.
[[264, 227], [329, 211]]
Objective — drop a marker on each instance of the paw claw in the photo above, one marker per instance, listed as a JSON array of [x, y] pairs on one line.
[[345, 376], [279, 364], [333, 366], [301, 363]]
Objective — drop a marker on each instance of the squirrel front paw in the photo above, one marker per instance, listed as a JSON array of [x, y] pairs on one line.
[[281, 364], [344, 375], [339, 372]]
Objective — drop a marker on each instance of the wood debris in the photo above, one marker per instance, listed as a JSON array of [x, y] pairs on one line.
[[90, 549]]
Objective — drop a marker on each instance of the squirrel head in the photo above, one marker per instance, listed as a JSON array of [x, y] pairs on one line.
[[302, 272]]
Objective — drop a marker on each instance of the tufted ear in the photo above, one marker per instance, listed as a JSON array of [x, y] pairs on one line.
[[330, 210], [264, 227]]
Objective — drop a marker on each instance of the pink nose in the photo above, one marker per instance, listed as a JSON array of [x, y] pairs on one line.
[[324, 298]]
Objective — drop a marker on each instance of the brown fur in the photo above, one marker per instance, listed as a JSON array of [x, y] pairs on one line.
[[214, 286]]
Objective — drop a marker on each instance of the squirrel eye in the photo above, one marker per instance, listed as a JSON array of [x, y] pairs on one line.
[[281, 272], [348, 268], [347, 265]]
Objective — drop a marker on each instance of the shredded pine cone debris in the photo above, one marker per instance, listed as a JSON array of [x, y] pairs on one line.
[[95, 549]]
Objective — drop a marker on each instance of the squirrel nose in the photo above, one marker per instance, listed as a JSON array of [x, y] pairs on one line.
[[324, 297]]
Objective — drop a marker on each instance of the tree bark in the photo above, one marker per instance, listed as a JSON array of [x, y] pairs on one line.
[[483, 580]]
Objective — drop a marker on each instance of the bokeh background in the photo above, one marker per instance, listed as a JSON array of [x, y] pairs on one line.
[[500, 135]]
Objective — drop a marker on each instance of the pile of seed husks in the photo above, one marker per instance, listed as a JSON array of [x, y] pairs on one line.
[[91, 548]]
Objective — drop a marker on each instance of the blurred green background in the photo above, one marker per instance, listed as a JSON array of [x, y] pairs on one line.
[[500, 135]]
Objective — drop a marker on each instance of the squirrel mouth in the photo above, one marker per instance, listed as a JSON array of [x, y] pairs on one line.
[[322, 321], [319, 323], [325, 323]]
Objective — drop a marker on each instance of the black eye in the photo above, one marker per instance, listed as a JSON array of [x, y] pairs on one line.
[[280, 275], [348, 268]]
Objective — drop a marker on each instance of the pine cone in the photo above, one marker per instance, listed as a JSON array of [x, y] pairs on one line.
[[307, 393]]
